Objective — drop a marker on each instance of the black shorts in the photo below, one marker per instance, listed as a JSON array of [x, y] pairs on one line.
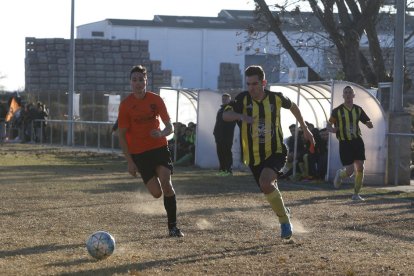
[[148, 161], [275, 162], [351, 150]]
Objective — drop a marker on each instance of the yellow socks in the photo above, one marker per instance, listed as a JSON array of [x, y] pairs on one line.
[[276, 202], [359, 178], [343, 174]]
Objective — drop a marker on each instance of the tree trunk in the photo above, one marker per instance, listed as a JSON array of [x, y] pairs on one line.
[[275, 28]]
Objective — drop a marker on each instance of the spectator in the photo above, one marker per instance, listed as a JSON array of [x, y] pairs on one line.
[[115, 126], [223, 135], [40, 126], [27, 116], [322, 153], [3, 113], [310, 157], [300, 151], [187, 148]]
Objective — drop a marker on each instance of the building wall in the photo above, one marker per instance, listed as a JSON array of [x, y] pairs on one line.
[[194, 54], [100, 65]]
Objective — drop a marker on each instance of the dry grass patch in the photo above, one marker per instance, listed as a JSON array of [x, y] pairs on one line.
[[52, 199]]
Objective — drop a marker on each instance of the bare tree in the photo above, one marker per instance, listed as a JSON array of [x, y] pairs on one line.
[[275, 25], [345, 22]]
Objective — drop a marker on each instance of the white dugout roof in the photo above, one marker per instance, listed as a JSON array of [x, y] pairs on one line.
[[315, 100]]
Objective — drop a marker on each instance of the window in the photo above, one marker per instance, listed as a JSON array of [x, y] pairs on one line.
[[95, 34], [217, 21], [185, 21]]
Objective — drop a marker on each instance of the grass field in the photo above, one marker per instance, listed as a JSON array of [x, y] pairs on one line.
[[52, 199]]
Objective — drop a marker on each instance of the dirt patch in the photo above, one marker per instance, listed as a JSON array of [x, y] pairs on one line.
[[52, 199]]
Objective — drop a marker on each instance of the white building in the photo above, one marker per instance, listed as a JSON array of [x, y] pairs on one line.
[[194, 47]]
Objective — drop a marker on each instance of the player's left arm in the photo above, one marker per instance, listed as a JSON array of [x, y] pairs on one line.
[[365, 119], [369, 124], [165, 117], [168, 128]]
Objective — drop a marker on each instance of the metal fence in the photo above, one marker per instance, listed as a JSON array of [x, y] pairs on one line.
[[87, 134], [92, 106]]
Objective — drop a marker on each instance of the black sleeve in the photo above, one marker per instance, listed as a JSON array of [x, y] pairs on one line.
[[364, 117]]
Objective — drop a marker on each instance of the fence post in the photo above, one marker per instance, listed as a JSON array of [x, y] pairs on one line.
[[99, 137], [41, 131], [397, 158], [61, 135], [51, 134], [84, 136]]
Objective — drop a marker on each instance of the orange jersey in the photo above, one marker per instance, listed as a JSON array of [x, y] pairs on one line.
[[140, 117]]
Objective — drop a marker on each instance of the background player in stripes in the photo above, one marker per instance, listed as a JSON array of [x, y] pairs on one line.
[[344, 123]]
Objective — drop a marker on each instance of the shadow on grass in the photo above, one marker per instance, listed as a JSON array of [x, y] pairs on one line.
[[37, 249], [168, 264], [379, 229]]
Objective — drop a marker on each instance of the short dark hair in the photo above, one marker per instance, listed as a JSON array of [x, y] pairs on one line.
[[255, 70], [348, 87], [138, 68]]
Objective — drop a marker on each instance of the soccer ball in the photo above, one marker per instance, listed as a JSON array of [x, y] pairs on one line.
[[100, 245]]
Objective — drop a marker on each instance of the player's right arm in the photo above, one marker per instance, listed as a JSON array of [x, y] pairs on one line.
[[132, 168], [230, 115]]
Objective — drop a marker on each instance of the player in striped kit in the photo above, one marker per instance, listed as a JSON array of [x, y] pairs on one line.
[[257, 111], [344, 123]]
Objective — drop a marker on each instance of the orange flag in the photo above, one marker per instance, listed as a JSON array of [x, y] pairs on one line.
[[14, 106]]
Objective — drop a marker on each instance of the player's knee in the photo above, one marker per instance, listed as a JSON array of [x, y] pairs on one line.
[[156, 194], [266, 186], [168, 190]]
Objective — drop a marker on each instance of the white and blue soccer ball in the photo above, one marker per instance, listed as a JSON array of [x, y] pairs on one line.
[[100, 245]]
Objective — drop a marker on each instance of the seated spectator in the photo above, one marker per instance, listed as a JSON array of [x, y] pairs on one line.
[[175, 143], [310, 157], [298, 162], [187, 147]]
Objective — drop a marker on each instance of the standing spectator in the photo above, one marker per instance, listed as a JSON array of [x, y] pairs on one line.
[[322, 153], [145, 145], [3, 113], [258, 112], [28, 115], [114, 128], [13, 118], [40, 126], [344, 123], [223, 135]]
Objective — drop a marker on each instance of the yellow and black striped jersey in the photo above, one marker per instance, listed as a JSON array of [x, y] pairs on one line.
[[346, 120], [264, 136]]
